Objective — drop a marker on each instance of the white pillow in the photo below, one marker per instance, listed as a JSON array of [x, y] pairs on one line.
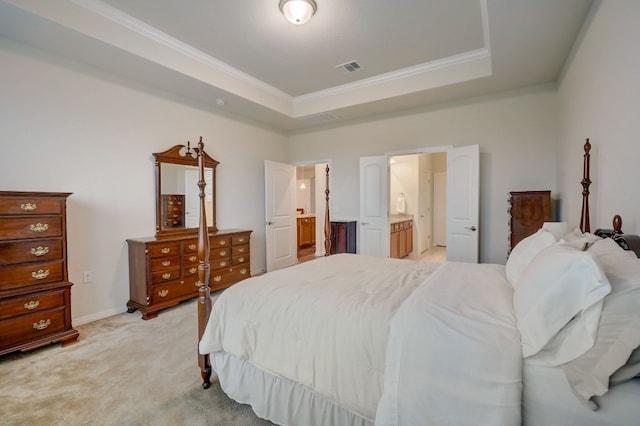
[[524, 252], [558, 229], [618, 331], [559, 284]]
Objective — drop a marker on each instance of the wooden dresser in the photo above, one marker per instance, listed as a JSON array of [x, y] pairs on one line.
[[35, 294], [173, 210], [164, 271], [528, 210]]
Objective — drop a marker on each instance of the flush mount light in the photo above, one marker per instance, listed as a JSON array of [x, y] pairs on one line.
[[298, 11]]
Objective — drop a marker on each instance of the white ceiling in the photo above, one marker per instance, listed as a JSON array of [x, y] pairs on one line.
[[241, 57]]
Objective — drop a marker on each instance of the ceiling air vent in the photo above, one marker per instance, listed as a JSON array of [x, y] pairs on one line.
[[349, 67], [322, 117]]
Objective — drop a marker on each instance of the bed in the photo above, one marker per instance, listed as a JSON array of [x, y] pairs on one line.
[[549, 338]]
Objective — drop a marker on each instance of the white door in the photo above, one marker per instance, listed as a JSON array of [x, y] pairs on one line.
[[440, 208], [280, 217], [192, 198], [463, 183], [374, 220]]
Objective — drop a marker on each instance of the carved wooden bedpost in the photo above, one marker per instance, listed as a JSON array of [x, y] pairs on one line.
[[586, 181], [327, 220], [204, 293]]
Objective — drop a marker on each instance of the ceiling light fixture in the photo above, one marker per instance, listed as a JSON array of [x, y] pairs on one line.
[[298, 11]]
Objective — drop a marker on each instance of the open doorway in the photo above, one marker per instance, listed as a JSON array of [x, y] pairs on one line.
[[306, 212], [417, 198], [311, 182]]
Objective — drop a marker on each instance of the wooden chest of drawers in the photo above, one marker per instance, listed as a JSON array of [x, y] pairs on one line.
[[35, 294], [173, 210], [164, 271], [528, 210]]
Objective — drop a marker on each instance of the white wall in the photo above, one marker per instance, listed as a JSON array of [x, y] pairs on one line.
[[599, 98], [66, 128], [517, 134]]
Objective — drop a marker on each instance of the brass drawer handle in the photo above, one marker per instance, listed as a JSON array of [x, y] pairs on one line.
[[223, 253], [28, 207], [166, 262], [192, 246], [163, 293], [165, 250], [217, 278], [166, 275], [241, 240], [241, 250], [42, 324], [243, 271], [31, 305], [222, 242], [39, 251], [40, 274], [193, 270], [223, 263], [241, 259], [193, 258], [39, 227]]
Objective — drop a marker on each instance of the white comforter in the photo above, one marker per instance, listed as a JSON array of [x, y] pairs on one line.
[[447, 339], [454, 354]]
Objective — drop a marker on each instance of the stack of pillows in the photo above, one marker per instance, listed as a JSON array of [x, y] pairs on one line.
[[577, 303]]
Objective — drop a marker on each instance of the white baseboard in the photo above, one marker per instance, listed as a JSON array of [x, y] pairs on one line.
[[97, 316]]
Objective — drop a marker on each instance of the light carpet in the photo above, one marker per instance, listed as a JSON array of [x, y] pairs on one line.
[[122, 371]]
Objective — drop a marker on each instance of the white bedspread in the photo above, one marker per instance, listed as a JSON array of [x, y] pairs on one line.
[[328, 329], [445, 334], [454, 354]]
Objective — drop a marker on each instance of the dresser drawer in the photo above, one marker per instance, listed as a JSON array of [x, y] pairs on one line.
[[221, 278], [191, 259], [165, 250], [239, 239], [222, 241], [30, 251], [240, 259], [190, 271], [32, 326], [175, 289], [215, 254], [30, 227], [30, 274], [191, 246], [219, 263], [162, 263], [27, 205], [34, 302], [164, 276], [235, 250]]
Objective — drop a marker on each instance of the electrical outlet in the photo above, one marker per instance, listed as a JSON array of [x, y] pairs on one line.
[[87, 277]]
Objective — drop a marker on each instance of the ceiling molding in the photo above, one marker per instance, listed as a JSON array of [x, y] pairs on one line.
[[454, 69]]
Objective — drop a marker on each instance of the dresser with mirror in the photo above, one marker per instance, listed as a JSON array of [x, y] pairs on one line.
[[163, 269]]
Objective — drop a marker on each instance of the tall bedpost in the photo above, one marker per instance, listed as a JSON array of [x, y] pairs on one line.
[[327, 220], [204, 293], [586, 181]]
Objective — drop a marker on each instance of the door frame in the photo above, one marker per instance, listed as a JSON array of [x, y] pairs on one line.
[[320, 199]]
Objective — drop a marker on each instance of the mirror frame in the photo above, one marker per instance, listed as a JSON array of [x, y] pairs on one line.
[[179, 154]]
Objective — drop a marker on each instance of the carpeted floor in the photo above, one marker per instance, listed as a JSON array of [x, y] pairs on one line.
[[122, 371]]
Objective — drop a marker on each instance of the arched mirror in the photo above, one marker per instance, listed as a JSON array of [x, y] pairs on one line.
[[177, 199]]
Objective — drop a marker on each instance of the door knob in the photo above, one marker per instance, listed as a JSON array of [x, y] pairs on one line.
[[470, 228], [364, 223], [270, 223]]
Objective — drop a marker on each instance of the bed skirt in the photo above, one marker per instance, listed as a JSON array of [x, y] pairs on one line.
[[276, 398]]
